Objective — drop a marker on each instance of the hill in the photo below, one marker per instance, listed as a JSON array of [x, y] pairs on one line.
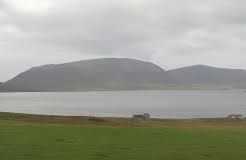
[[123, 74], [206, 76], [96, 74]]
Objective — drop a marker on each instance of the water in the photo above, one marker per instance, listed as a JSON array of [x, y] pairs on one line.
[[164, 104]]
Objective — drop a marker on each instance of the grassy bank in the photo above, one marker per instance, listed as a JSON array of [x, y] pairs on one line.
[[40, 137]]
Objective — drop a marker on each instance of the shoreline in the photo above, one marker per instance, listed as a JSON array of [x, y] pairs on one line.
[[121, 121], [126, 90]]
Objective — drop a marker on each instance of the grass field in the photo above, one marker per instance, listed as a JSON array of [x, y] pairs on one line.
[[32, 137]]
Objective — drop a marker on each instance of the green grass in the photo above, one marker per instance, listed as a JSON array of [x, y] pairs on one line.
[[32, 141]]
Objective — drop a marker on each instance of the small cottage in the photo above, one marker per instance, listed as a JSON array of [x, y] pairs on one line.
[[145, 116], [235, 116]]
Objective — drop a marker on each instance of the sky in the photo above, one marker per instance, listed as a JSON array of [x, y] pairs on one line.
[[170, 33]]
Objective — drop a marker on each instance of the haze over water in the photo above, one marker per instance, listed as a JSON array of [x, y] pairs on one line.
[[164, 104]]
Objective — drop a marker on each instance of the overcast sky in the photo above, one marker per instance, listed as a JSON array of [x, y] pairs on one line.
[[170, 33]]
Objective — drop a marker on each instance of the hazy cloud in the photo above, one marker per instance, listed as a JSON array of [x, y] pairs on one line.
[[171, 33]]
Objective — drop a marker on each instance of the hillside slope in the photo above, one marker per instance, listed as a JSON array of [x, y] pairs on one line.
[[96, 74], [208, 76]]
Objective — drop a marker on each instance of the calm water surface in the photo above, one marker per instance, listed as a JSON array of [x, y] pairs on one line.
[[169, 104]]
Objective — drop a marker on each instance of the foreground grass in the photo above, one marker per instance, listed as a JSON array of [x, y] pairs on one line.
[[22, 140]]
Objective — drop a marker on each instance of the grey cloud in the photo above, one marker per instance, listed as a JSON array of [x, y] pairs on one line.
[[170, 33], [2, 4]]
